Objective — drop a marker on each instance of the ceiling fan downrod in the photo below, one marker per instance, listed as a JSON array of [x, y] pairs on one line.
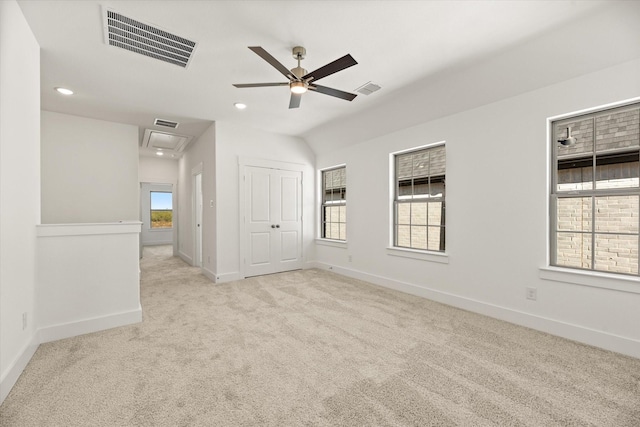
[[299, 53]]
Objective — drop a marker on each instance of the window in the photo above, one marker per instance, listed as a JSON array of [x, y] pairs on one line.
[[595, 192], [161, 209], [419, 207], [334, 204]]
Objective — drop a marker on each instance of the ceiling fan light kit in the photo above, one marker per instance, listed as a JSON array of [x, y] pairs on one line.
[[299, 79], [298, 87]]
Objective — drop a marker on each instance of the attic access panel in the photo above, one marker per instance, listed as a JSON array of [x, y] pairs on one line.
[[144, 39], [158, 140]]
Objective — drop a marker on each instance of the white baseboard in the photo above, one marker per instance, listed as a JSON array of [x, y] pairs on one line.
[[11, 375], [227, 277], [607, 341], [186, 258], [209, 274], [312, 264], [68, 330]]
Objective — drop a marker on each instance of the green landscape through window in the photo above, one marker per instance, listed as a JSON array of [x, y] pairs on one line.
[[161, 209]]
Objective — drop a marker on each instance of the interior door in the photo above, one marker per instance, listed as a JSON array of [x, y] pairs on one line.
[[198, 219], [273, 220]]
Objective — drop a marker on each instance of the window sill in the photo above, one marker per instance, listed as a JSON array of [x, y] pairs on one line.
[[593, 279], [440, 257], [333, 243]]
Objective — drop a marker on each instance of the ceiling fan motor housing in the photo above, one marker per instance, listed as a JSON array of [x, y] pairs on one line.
[[299, 72]]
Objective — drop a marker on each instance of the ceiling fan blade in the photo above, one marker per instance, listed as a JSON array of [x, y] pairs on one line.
[[295, 100], [332, 67], [259, 84], [333, 92], [273, 61]]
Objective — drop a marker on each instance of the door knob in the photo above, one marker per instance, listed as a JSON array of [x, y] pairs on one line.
[[273, 226], [278, 226]]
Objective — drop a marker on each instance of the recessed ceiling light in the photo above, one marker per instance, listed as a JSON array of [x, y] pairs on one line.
[[64, 91], [240, 105], [159, 153]]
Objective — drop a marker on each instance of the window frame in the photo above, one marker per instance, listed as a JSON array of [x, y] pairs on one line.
[[561, 272], [409, 251], [324, 205], [151, 210]]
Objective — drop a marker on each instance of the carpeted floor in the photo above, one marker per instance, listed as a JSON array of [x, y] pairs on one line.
[[312, 348]]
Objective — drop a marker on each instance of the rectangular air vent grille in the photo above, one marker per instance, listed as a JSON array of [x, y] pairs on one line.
[[166, 123], [135, 36], [368, 88]]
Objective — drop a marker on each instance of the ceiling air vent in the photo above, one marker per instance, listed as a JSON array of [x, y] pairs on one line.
[[368, 88], [166, 123], [158, 140], [138, 37]]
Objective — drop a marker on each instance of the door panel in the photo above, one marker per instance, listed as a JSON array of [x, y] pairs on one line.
[[260, 197], [289, 245], [260, 248], [273, 222], [288, 198]]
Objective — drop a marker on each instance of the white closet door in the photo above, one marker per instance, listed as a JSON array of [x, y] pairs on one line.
[[273, 220]]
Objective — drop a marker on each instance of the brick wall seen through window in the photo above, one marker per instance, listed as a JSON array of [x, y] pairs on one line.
[[419, 203], [333, 212], [595, 194]]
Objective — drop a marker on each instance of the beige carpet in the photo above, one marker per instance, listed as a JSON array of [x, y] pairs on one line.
[[311, 348]]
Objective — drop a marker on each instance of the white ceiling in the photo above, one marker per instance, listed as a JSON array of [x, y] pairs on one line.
[[413, 49]]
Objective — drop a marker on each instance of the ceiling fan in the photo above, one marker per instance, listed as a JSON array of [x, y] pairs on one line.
[[300, 80]]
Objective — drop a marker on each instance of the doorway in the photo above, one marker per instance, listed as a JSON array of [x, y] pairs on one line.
[[156, 214]]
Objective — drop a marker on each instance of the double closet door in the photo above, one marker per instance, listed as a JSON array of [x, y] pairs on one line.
[[273, 220]]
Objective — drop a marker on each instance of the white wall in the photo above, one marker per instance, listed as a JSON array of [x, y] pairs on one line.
[[89, 170], [158, 170], [497, 195], [232, 142], [19, 191], [200, 155], [88, 278]]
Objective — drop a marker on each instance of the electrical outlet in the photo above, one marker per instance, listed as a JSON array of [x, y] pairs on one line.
[[350, 258], [24, 321], [532, 293]]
